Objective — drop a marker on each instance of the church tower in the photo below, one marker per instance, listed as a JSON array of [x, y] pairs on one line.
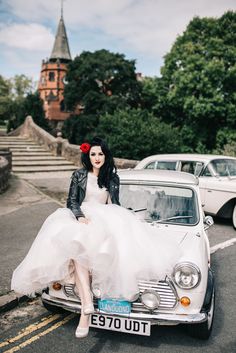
[[52, 78]]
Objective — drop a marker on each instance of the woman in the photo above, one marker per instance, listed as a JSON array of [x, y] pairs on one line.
[[94, 236], [97, 161]]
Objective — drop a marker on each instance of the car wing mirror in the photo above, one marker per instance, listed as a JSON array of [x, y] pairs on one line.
[[208, 222]]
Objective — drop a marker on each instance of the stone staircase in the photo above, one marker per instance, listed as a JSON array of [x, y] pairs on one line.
[[29, 157]]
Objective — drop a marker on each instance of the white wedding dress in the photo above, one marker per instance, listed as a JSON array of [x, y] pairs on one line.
[[115, 246]]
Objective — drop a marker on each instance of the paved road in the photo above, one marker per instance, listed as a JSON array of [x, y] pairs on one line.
[[32, 329]]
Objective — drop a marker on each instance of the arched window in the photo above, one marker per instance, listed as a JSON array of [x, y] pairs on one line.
[[51, 76]]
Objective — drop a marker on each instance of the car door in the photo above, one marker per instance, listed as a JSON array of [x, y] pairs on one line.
[[210, 191]]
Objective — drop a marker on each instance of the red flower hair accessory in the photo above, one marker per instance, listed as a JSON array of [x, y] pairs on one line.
[[85, 147]]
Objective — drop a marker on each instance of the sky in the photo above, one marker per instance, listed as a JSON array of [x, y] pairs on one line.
[[142, 30]]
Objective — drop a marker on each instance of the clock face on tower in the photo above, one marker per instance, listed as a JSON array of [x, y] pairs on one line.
[[64, 80]]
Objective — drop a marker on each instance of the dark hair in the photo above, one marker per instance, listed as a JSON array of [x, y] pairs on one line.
[[107, 169]]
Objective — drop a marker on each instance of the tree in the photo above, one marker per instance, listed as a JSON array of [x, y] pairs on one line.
[[150, 92], [12, 95], [198, 83], [135, 134], [5, 100], [79, 128], [21, 86], [226, 142], [100, 82], [30, 105]]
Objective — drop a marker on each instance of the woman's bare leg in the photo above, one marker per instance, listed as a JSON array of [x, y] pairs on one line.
[[82, 282]]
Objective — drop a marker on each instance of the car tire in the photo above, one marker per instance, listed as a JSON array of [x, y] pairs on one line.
[[203, 330], [53, 308], [234, 216]]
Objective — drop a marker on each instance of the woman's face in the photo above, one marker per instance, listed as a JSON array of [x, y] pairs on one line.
[[97, 157]]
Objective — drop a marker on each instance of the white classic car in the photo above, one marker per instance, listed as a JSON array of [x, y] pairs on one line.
[[169, 201], [217, 178]]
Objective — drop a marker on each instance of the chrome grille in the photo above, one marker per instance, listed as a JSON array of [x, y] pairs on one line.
[[165, 290], [69, 290]]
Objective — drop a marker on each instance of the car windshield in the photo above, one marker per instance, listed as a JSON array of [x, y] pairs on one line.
[[224, 167], [161, 204]]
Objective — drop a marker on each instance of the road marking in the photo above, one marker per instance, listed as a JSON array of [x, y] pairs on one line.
[[41, 334], [223, 245], [31, 328]]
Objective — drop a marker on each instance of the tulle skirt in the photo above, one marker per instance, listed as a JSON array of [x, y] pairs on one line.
[[117, 247]]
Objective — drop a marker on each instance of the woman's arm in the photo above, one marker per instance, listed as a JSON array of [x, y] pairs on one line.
[[75, 197], [114, 189]]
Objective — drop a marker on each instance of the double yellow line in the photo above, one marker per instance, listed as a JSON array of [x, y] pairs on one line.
[[34, 327]]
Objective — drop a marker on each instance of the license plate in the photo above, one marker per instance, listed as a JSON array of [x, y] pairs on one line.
[[121, 324], [113, 306]]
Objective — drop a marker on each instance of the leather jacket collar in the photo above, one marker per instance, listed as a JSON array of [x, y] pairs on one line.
[[77, 191]]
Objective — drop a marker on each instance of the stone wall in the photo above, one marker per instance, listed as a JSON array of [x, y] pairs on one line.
[[31, 130], [71, 152], [59, 146], [5, 168]]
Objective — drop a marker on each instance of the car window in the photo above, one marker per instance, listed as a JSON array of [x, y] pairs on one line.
[[224, 167], [206, 172], [150, 165], [165, 204], [192, 167], [166, 165]]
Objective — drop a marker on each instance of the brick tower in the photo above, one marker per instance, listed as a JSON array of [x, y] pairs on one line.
[[52, 78]]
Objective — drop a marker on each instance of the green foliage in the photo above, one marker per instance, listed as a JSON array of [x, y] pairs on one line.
[[99, 81], [30, 105], [78, 129], [21, 86], [136, 133], [12, 95], [226, 142], [5, 100], [197, 89]]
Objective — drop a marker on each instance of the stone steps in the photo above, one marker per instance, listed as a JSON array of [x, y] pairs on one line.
[[18, 143], [24, 148], [13, 138], [29, 157], [28, 154], [48, 168], [35, 157], [39, 163]]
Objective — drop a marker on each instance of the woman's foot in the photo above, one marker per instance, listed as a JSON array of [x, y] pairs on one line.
[[82, 329], [81, 332]]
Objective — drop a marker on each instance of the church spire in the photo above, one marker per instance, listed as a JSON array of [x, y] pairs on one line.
[[61, 48]]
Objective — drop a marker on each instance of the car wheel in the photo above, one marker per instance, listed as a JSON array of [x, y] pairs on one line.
[[203, 330], [234, 217], [53, 308]]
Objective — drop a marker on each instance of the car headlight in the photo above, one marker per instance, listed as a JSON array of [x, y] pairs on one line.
[[186, 275], [150, 299]]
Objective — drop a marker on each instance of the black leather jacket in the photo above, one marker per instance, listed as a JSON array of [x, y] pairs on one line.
[[77, 191]]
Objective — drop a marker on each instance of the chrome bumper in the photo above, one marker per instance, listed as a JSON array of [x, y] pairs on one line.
[[155, 318]]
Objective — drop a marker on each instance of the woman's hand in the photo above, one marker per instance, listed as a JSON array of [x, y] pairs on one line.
[[83, 220]]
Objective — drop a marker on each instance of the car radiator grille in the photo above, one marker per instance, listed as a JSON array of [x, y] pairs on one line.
[[69, 290], [166, 291]]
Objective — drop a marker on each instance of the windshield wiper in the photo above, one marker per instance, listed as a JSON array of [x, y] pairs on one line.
[[171, 218], [136, 209]]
